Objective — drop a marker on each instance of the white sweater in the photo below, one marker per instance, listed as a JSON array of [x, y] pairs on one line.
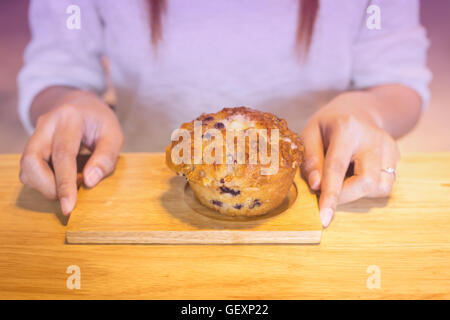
[[218, 53]]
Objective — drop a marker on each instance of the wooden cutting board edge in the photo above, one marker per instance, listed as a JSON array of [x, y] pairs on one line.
[[193, 237]]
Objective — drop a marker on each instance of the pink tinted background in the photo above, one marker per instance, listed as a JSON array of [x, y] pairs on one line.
[[432, 133]]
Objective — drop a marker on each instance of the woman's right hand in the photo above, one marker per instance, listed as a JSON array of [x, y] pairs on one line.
[[79, 118]]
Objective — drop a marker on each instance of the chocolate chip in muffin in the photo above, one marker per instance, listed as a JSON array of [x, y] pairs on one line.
[[233, 192], [219, 125], [217, 203], [209, 118], [256, 203], [238, 206], [222, 180]]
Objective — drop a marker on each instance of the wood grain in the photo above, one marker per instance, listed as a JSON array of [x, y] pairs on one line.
[[147, 203], [407, 236]]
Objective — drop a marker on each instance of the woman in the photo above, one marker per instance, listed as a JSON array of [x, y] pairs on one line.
[[171, 60]]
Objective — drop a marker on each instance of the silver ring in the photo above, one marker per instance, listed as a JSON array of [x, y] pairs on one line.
[[389, 170]]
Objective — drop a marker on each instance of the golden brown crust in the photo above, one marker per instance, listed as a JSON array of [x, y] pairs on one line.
[[235, 188]]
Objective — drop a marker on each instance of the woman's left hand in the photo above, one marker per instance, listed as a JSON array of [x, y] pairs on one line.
[[348, 130]]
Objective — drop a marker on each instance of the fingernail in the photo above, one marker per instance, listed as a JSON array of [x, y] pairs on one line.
[[326, 215], [66, 206], [314, 179], [93, 176]]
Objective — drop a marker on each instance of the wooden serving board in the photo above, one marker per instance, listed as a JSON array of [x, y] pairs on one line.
[[144, 202]]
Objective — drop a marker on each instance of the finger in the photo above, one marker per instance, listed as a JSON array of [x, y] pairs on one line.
[[66, 144], [385, 184], [35, 171], [366, 177], [337, 160], [103, 160], [390, 158], [313, 156]]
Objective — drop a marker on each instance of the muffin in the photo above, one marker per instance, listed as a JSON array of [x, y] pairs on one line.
[[247, 174]]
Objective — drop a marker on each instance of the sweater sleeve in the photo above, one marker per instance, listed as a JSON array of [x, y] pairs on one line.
[[58, 54], [395, 53]]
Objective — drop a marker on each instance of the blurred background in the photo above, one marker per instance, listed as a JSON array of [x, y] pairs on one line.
[[431, 134]]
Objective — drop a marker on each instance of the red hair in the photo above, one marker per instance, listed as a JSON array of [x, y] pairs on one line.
[[305, 26], [157, 9]]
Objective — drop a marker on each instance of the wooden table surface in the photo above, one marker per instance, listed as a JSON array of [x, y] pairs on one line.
[[406, 238]]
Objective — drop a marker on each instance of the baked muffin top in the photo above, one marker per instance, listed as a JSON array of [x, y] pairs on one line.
[[242, 119]]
